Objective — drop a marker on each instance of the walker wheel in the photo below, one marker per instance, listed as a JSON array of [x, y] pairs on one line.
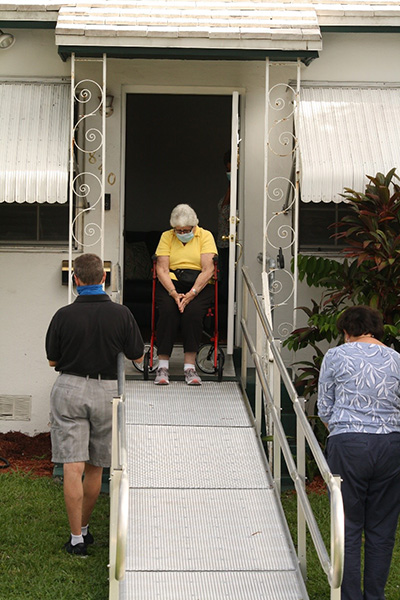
[[156, 360], [220, 363], [140, 366], [205, 358], [146, 360]]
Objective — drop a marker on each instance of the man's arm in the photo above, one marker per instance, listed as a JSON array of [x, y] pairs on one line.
[[52, 363]]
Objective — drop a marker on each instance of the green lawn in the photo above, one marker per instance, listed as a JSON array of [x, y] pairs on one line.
[[317, 586], [34, 529]]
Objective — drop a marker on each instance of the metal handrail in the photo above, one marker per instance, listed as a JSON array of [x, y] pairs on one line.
[[118, 285], [122, 526], [122, 467], [333, 567], [121, 374]]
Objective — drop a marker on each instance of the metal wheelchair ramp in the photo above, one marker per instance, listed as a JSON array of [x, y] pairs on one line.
[[204, 520]]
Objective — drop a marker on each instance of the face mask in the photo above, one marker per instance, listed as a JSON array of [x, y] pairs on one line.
[[185, 237], [228, 176]]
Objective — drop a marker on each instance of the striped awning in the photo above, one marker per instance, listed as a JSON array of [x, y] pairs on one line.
[[34, 142], [345, 134]]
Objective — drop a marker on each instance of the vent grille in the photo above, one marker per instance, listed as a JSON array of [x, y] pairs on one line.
[[15, 408]]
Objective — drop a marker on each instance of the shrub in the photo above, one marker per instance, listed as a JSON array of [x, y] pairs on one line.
[[369, 273]]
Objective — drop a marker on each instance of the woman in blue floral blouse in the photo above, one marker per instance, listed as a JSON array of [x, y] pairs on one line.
[[359, 401]]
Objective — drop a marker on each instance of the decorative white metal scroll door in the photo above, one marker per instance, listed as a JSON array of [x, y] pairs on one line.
[[87, 158]]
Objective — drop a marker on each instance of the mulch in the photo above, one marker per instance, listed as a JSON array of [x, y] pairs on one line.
[[30, 454], [317, 485]]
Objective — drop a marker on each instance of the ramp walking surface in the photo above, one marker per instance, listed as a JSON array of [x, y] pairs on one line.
[[204, 522]]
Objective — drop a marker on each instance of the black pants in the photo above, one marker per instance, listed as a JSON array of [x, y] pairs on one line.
[[369, 465], [190, 321]]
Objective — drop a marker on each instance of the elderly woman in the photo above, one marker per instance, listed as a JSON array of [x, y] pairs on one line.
[[359, 400], [184, 289]]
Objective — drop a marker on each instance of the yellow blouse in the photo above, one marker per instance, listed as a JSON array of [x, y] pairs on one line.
[[186, 256]]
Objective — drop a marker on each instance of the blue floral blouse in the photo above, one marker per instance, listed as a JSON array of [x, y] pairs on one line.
[[359, 389]]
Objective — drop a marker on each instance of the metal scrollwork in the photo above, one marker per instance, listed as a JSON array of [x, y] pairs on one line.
[[283, 232], [281, 196], [280, 289], [277, 193], [83, 191], [279, 103], [285, 329], [87, 159], [282, 143], [83, 94]]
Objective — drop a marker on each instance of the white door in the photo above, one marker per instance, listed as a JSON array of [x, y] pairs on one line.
[[233, 221]]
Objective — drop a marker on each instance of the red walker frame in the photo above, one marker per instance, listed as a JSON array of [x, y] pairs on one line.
[[210, 357]]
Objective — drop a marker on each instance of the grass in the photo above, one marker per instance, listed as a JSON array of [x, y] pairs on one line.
[[317, 586], [34, 528]]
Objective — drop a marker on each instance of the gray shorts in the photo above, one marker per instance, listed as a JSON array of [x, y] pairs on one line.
[[81, 420]]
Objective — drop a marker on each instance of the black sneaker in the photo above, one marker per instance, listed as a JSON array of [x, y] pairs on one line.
[[88, 538], [78, 549]]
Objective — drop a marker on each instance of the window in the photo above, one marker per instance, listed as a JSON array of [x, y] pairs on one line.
[[345, 132], [314, 226], [34, 223], [34, 160]]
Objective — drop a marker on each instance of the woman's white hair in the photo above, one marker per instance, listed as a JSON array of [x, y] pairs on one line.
[[183, 215]]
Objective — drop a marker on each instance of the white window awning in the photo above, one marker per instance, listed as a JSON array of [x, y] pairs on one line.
[[345, 134], [34, 142]]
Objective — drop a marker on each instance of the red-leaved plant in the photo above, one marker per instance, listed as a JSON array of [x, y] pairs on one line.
[[369, 273]]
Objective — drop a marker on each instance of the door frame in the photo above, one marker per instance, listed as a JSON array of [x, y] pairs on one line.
[[176, 91]]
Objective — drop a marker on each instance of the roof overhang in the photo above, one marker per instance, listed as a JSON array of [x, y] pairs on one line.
[[200, 29], [360, 14], [27, 11], [163, 53], [203, 29]]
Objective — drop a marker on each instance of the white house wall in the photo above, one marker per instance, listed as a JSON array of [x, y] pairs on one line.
[[31, 289], [361, 57], [356, 57]]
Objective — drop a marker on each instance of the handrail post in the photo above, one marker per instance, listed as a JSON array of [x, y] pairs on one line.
[[121, 374], [119, 487], [301, 469], [277, 460], [260, 345], [115, 478], [336, 593], [245, 311]]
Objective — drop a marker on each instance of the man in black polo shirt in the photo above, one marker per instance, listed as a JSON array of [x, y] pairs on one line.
[[82, 343]]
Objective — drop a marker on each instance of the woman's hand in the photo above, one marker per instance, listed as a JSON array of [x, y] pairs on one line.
[[178, 298], [184, 300], [162, 268], [206, 273]]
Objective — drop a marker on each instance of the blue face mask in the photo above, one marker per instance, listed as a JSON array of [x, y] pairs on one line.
[[185, 237], [228, 176]]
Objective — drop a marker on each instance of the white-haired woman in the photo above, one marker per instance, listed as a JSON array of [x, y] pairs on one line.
[[184, 289]]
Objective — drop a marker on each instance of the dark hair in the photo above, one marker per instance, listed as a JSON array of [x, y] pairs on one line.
[[359, 320], [89, 268]]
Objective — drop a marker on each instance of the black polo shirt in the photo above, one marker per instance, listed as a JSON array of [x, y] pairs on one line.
[[86, 336]]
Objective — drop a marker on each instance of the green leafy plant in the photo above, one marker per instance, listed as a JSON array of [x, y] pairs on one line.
[[368, 274]]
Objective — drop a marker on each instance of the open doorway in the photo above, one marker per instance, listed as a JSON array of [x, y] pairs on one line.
[[175, 146]]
